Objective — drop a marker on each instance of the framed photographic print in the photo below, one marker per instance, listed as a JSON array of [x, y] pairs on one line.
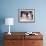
[[26, 15]]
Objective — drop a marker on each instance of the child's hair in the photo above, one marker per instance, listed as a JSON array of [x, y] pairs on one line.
[[30, 11]]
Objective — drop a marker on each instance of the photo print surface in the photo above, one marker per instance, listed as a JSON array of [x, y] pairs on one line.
[[26, 15]]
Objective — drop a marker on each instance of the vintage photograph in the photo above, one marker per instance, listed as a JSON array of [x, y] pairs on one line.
[[26, 15]]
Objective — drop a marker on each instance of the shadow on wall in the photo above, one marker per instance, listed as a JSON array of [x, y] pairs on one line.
[[2, 21]]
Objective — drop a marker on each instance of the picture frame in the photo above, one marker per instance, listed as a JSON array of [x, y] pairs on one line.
[[26, 15]]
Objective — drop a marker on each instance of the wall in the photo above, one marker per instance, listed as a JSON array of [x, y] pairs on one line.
[[9, 8]]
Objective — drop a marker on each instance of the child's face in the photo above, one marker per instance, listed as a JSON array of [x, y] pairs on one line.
[[24, 15]]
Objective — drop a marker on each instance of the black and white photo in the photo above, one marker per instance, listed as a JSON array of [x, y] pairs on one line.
[[26, 15]]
